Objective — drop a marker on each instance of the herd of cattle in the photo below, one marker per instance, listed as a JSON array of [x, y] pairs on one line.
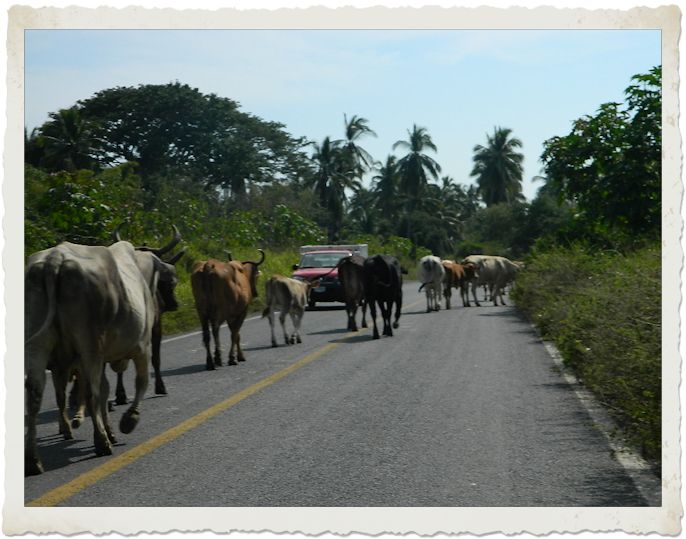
[[87, 306]]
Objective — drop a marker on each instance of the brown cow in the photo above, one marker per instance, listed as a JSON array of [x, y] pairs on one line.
[[222, 292], [457, 276]]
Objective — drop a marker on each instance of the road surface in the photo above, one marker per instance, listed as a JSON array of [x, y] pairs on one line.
[[460, 408]]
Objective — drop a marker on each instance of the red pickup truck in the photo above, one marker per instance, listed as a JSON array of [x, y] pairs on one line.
[[319, 262]]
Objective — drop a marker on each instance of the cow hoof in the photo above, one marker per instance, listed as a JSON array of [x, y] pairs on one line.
[[376, 336], [395, 326], [274, 345], [298, 340], [76, 421], [210, 367], [232, 362], [241, 358], [129, 421], [160, 389], [104, 450], [364, 325], [110, 406], [110, 436], [67, 435], [121, 400], [32, 466]]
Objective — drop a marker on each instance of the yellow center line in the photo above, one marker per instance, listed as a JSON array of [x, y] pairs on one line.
[[114, 464]]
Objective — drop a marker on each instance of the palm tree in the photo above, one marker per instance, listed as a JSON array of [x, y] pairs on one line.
[[360, 159], [498, 168], [330, 182], [386, 187], [69, 144], [414, 168], [364, 211]]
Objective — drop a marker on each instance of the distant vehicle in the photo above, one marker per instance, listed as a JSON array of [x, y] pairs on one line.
[[319, 262]]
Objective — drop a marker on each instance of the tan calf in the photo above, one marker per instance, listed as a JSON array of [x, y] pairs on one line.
[[289, 296]]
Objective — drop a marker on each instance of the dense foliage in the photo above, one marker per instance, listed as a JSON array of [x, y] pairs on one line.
[[602, 310]]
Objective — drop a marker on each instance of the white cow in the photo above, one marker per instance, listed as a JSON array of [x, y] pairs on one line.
[[430, 273], [494, 272], [289, 296]]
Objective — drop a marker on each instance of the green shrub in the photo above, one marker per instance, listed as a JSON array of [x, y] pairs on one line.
[[603, 311]]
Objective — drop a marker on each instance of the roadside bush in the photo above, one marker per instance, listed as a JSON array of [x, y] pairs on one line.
[[603, 311]]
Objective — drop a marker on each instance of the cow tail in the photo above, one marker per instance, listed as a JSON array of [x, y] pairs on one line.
[[50, 282], [420, 288]]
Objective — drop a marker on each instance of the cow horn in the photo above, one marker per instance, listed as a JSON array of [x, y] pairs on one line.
[[177, 256], [228, 255], [176, 239], [261, 259], [115, 232]]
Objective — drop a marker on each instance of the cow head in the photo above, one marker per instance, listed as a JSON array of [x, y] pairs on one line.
[[166, 283], [254, 272], [166, 273]]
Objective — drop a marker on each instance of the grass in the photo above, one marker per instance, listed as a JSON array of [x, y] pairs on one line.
[[603, 311]]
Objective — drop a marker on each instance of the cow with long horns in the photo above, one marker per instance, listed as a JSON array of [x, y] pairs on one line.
[[222, 292], [86, 306], [161, 307]]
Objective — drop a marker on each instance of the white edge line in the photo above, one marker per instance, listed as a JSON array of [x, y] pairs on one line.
[[636, 467]]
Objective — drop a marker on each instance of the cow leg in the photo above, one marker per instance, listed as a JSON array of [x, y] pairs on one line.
[[437, 298], [398, 307], [428, 300], [209, 365], [296, 318], [282, 321], [476, 301], [77, 401], [104, 409], [447, 293], [464, 293], [160, 388], [271, 326], [35, 385], [235, 328], [352, 311], [93, 375], [216, 326], [60, 378], [120, 392], [386, 308], [363, 305], [131, 417], [372, 314]]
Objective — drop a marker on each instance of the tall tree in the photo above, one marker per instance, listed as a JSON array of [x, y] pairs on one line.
[[415, 168], [359, 158], [205, 137], [610, 163], [68, 141], [498, 168], [330, 181], [386, 191]]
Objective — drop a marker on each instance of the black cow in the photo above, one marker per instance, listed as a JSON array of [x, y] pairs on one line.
[[351, 275], [383, 283]]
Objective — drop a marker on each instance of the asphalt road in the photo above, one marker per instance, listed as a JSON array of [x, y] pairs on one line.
[[460, 408]]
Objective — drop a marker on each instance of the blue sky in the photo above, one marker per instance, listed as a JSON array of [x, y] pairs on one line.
[[458, 84]]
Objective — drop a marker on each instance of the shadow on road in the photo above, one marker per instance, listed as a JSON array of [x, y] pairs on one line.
[[328, 331], [340, 307], [188, 369]]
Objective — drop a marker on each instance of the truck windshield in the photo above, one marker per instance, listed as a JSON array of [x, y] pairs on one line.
[[320, 260]]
